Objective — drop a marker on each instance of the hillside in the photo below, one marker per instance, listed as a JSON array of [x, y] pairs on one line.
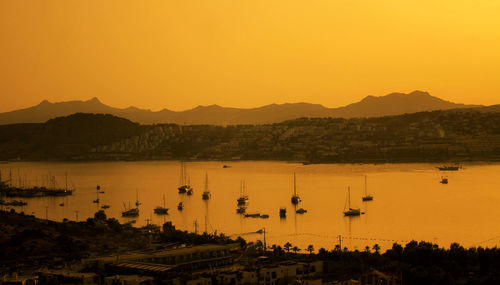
[[63, 137], [371, 106], [436, 136]]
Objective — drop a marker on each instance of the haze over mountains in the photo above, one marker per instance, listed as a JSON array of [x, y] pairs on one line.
[[370, 106]]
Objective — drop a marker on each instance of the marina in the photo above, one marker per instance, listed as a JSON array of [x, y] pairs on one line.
[[323, 190]]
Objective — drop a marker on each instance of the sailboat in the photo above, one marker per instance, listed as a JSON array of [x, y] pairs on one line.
[[131, 212], [161, 210], [137, 203], [180, 206], [350, 211], [206, 194], [183, 187], [242, 200], [295, 198], [367, 197]]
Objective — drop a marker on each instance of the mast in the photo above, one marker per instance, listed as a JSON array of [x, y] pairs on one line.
[[349, 196], [294, 186], [206, 182], [366, 191], [66, 181], [184, 173], [163, 200]]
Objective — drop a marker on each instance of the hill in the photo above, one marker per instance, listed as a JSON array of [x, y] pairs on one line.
[[371, 106], [437, 136]]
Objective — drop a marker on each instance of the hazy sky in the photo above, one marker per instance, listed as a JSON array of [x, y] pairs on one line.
[[246, 53]]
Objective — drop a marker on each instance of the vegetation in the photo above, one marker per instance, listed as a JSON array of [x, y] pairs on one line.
[[416, 263]]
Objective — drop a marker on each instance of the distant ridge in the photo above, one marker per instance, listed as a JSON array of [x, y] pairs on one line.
[[370, 106]]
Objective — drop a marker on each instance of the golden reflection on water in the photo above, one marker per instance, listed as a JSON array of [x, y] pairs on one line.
[[409, 202]]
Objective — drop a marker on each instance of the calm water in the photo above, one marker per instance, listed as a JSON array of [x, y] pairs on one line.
[[409, 202]]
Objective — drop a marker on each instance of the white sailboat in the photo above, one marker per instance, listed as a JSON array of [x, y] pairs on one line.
[[206, 194], [295, 198], [367, 197], [350, 211]]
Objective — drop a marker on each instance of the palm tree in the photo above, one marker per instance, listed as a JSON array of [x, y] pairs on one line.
[[310, 248], [296, 249], [367, 249], [376, 247], [287, 246]]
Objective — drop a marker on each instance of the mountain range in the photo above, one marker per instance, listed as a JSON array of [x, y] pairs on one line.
[[370, 106]]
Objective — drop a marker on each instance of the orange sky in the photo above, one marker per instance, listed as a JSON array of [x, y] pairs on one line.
[[246, 53]]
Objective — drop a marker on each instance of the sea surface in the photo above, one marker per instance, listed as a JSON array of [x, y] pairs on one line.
[[409, 201]]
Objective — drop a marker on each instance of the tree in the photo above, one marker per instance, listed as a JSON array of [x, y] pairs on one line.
[[367, 249], [287, 246], [310, 248], [376, 247], [296, 249]]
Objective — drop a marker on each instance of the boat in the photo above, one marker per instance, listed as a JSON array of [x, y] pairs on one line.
[[367, 197], [48, 190], [206, 194], [161, 210], [282, 212], [243, 199], [96, 201], [137, 203], [184, 187], [252, 215], [295, 198], [105, 207], [226, 166], [98, 188], [444, 180], [180, 206], [189, 192], [61, 204], [131, 212], [134, 212], [449, 167], [241, 210], [350, 211], [301, 211], [264, 216]]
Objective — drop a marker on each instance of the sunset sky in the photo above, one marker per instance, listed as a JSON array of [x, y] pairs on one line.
[[246, 53]]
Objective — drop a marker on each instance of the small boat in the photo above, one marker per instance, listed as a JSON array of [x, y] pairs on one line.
[[105, 207], [449, 167], [134, 212], [264, 216], [242, 200], [301, 211], [241, 210], [180, 206], [252, 215], [226, 166], [206, 194], [161, 210], [184, 186], [367, 197], [282, 212], [96, 201], [350, 211], [61, 204], [189, 192], [295, 198], [444, 180], [130, 212], [137, 203]]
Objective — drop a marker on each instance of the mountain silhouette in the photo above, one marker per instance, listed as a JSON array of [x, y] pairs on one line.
[[370, 106]]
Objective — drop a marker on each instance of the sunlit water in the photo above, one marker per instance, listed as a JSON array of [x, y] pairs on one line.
[[409, 202]]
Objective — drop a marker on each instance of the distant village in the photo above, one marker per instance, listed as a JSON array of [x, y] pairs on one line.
[[420, 137]]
